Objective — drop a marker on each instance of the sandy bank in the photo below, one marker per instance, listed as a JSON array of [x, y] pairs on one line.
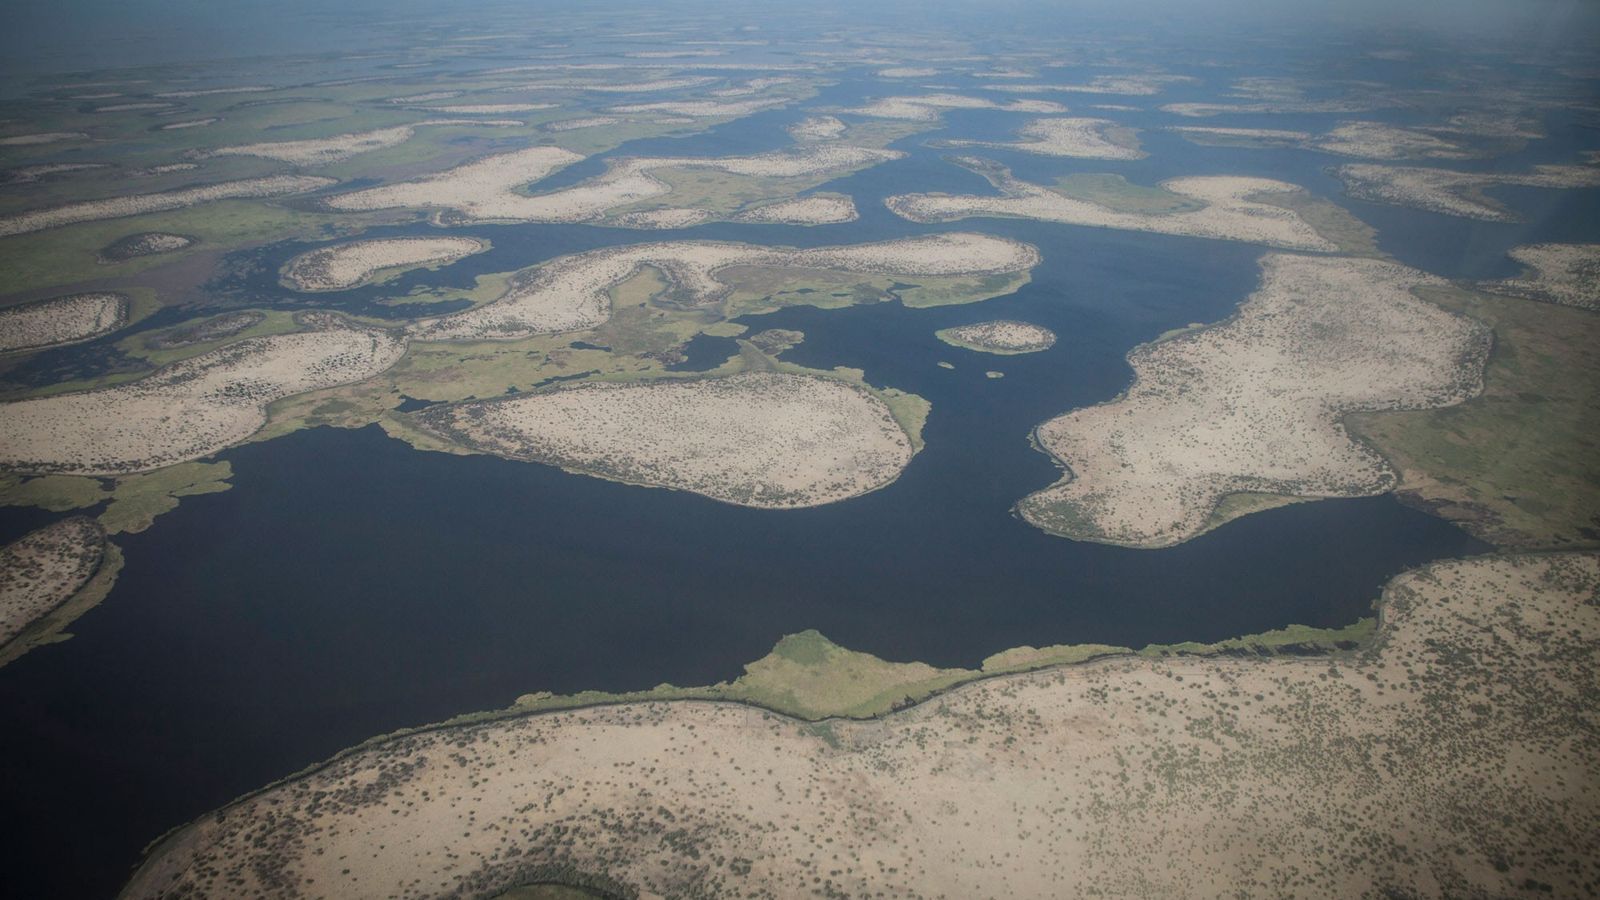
[[1228, 208], [762, 439], [1002, 336], [1455, 757], [1253, 405], [571, 293], [137, 204], [345, 266], [189, 409], [44, 569], [61, 320]]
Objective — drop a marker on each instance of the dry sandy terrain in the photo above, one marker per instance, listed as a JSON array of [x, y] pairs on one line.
[[571, 293], [817, 128], [147, 243], [44, 569], [1376, 140], [587, 122], [1456, 757], [61, 320], [1568, 274], [1003, 336], [1129, 85], [191, 123], [907, 72], [1229, 212], [43, 137], [813, 210], [1456, 193], [189, 409], [1259, 137], [929, 107], [1078, 137], [345, 266], [137, 204], [1254, 404], [762, 439], [340, 147], [753, 86], [483, 190], [699, 109]]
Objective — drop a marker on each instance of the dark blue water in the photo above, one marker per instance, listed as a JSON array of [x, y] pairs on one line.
[[348, 585]]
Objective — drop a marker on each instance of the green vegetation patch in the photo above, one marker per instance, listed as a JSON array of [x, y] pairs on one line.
[[1518, 466]]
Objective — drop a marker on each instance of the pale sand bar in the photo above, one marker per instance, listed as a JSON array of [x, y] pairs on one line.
[[1254, 405]]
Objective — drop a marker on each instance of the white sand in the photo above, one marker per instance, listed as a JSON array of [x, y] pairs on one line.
[[137, 204], [1083, 138], [61, 320], [1462, 742], [1229, 212], [29, 174], [1376, 140], [482, 191], [761, 439], [571, 293], [191, 123], [907, 72], [813, 210], [586, 122], [340, 147], [615, 87], [344, 266], [817, 128], [1568, 274], [190, 409], [44, 569], [1254, 404], [1265, 137], [929, 107], [1129, 85]]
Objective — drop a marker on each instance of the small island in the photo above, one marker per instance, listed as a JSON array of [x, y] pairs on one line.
[[1005, 337]]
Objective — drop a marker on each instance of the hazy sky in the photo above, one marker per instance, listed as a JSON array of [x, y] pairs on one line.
[[70, 35]]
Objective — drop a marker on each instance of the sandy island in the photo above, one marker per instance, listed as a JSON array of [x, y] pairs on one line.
[[339, 147], [485, 190], [1253, 405], [344, 266], [1568, 274], [1457, 193], [137, 204], [145, 243], [571, 293], [763, 439], [189, 409], [1453, 756], [61, 320], [930, 107], [44, 569], [1076, 137], [1227, 207], [1005, 337]]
